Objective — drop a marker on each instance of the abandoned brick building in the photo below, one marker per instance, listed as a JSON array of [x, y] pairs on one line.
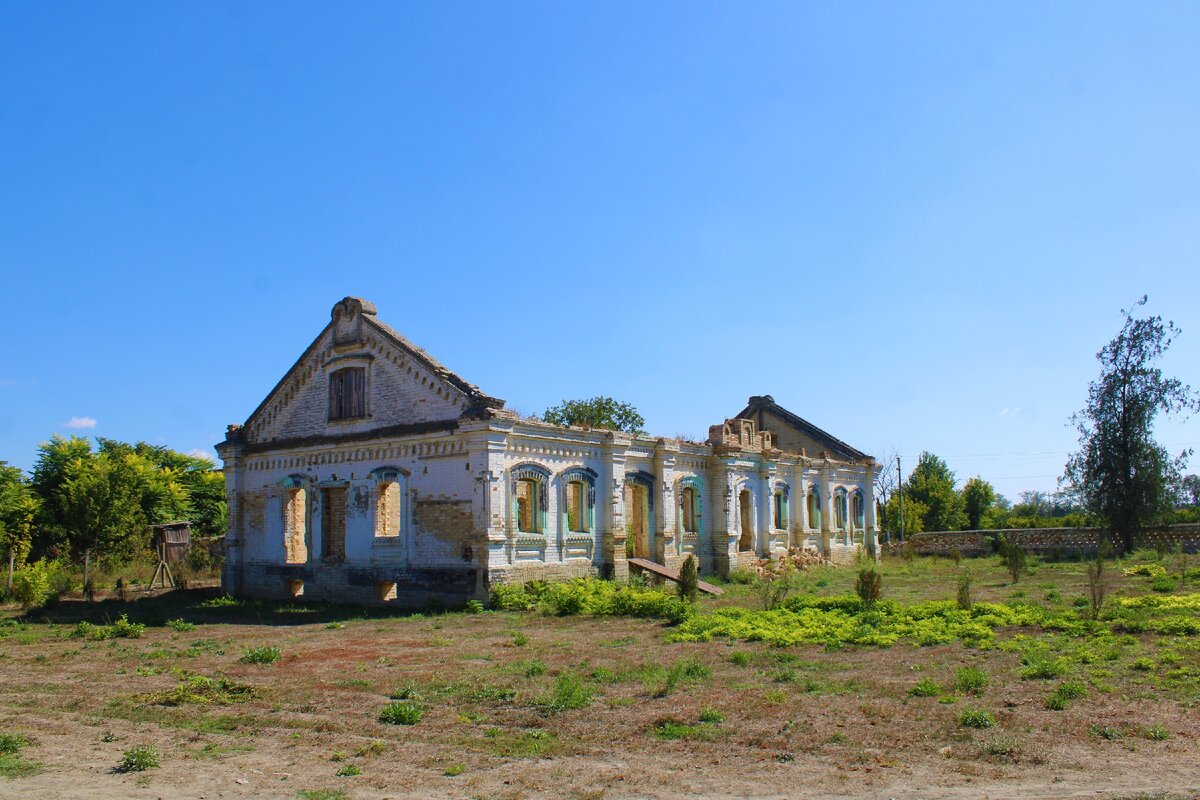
[[371, 473]]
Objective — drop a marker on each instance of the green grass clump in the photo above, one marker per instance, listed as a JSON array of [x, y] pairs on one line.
[[348, 770], [181, 625], [711, 716], [1156, 733], [674, 729], [322, 794], [1106, 732], [201, 690], [976, 718], [740, 658], [454, 770], [261, 655], [403, 712], [138, 759], [969, 680], [926, 687], [570, 692], [1063, 694], [1041, 667], [11, 764], [536, 743], [121, 629], [1143, 665]]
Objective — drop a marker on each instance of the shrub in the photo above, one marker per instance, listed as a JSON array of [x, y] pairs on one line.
[[180, 625], [11, 743], [969, 680], [519, 639], [1163, 583], [976, 718], [689, 577], [926, 687], [348, 770], [1097, 586], [473, 607], [31, 585], [740, 657], [403, 712], [869, 586], [964, 598], [261, 655], [1014, 559], [1143, 665], [121, 629], [711, 716], [138, 759]]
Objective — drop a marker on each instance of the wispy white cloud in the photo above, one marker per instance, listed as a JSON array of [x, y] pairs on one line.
[[80, 422], [6, 383], [199, 452], [1010, 412]]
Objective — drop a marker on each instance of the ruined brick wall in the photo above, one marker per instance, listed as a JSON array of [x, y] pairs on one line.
[[1065, 542]]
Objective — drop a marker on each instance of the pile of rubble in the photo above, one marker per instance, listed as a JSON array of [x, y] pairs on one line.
[[796, 558]]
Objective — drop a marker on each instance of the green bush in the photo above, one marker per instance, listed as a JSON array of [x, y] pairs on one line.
[[969, 680], [926, 687], [181, 625], [711, 716], [11, 743], [403, 712], [32, 585], [1163, 583], [1040, 667], [261, 655], [121, 629], [868, 587], [138, 759], [689, 578], [474, 607], [976, 718]]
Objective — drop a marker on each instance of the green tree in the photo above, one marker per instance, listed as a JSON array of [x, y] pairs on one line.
[[18, 511], [914, 515], [689, 579], [101, 500], [597, 412], [1123, 476], [49, 474], [932, 485], [978, 497], [1190, 494]]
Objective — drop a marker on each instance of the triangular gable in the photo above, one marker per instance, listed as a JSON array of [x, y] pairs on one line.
[[793, 433], [406, 386]]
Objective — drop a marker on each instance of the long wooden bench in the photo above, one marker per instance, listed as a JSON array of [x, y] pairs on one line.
[[654, 568]]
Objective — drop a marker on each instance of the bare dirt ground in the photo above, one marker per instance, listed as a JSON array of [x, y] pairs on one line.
[[781, 722]]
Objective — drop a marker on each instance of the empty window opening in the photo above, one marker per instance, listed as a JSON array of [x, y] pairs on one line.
[[348, 393], [688, 502], [333, 524], [295, 526], [839, 509], [577, 511], [814, 511], [528, 506], [781, 515], [746, 540], [388, 508], [859, 511]]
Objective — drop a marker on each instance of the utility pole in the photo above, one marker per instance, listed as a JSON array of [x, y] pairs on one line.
[[900, 491]]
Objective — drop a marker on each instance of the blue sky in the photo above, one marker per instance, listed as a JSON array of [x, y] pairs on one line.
[[913, 224]]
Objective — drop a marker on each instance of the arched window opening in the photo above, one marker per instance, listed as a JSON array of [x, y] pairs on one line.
[[780, 511], [579, 499], [814, 511], [745, 518], [859, 510], [529, 498], [390, 494], [687, 505], [839, 509]]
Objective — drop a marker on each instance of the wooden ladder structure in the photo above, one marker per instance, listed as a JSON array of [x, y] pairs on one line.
[[654, 568]]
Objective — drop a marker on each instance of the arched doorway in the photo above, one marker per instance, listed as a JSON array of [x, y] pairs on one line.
[[639, 513], [746, 520]]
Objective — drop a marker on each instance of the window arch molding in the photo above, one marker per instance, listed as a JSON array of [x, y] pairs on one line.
[[643, 478]]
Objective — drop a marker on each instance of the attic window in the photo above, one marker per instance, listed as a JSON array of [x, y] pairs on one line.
[[348, 393]]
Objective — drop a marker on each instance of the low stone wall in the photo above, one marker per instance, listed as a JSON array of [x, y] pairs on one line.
[[1054, 542]]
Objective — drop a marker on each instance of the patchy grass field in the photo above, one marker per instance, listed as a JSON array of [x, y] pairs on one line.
[[191, 695]]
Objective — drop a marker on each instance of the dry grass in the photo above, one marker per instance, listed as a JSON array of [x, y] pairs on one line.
[[583, 708]]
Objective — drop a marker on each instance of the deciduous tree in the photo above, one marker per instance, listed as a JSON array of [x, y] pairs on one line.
[[978, 497], [932, 485], [597, 412]]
